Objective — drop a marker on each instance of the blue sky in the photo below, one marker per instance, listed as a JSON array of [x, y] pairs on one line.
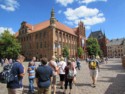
[[107, 15]]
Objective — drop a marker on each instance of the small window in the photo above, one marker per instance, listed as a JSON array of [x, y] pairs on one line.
[[41, 45], [37, 45]]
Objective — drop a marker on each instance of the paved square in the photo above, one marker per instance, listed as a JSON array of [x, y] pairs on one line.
[[110, 80]]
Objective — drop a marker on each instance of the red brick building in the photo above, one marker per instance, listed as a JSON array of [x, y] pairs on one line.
[[48, 38]]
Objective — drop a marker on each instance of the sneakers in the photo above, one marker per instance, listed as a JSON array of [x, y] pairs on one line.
[[93, 85], [31, 92]]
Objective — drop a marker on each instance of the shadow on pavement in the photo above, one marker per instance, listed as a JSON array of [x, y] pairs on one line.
[[82, 84], [110, 79], [118, 86], [26, 89], [117, 68]]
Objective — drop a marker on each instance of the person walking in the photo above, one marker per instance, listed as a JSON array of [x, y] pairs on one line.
[[74, 67], [61, 66], [16, 86], [106, 60], [69, 76], [43, 77], [31, 71], [78, 63], [94, 68], [2, 62], [10, 60], [55, 68], [6, 62]]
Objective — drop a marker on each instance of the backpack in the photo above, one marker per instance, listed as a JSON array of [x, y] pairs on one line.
[[93, 64], [70, 74], [7, 74]]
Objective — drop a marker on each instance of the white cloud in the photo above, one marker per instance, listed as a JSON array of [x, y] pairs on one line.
[[80, 12], [90, 1], [93, 20], [88, 15], [88, 27], [65, 2], [60, 11], [9, 5], [5, 28]]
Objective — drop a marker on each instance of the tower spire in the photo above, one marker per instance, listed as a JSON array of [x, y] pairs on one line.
[[52, 18], [52, 13]]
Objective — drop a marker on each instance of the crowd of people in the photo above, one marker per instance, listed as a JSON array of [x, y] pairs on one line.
[[45, 74]]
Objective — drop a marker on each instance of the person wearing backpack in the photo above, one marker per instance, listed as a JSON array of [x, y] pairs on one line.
[[16, 86], [31, 71], [69, 76], [94, 68]]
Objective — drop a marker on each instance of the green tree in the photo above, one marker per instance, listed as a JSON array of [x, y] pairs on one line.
[[65, 51], [79, 51], [93, 47], [11, 47]]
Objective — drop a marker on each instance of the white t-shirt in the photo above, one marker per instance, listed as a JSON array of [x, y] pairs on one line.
[[53, 65], [62, 66]]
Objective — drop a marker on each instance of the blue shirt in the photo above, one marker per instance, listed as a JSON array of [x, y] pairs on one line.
[[43, 73], [17, 70], [31, 72]]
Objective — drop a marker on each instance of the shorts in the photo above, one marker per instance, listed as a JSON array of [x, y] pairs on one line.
[[62, 77], [44, 90], [15, 91], [94, 73], [54, 80]]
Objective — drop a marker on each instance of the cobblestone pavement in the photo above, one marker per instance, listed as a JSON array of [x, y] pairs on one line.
[[110, 80]]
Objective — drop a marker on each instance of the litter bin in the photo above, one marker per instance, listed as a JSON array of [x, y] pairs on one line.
[[123, 61]]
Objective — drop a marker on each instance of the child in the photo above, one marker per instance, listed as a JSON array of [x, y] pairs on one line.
[[31, 71]]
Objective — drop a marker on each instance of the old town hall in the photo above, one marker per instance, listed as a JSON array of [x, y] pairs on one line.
[[49, 37]]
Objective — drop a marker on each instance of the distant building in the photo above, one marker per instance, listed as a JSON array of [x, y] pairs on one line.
[[116, 48], [48, 38], [102, 40]]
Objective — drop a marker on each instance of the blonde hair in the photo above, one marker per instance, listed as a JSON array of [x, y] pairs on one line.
[[72, 59], [20, 57], [61, 59], [53, 57]]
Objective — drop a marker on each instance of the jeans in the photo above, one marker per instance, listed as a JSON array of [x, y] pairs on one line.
[[31, 87]]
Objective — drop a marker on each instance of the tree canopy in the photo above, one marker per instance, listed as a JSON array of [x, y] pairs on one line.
[[93, 47], [11, 47], [80, 51], [65, 51]]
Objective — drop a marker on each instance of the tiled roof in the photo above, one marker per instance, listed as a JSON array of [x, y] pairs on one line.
[[64, 28], [43, 25], [116, 42]]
